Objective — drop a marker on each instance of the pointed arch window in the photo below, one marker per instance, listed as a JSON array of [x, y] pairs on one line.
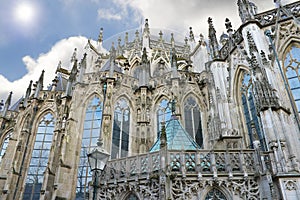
[[4, 145], [215, 194], [39, 158], [252, 119], [192, 119], [131, 196], [292, 73], [163, 113], [91, 131], [121, 127]]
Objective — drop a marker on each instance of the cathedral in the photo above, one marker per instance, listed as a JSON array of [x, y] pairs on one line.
[[162, 118]]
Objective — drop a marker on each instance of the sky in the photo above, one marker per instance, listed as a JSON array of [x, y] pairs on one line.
[[36, 34]]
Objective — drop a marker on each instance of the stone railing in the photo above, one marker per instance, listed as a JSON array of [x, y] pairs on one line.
[[200, 163], [269, 17]]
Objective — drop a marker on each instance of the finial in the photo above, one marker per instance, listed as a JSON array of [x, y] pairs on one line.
[[214, 46], [146, 29], [160, 35], [185, 41], [137, 35], [228, 26], [73, 58], [192, 38], [100, 37], [172, 40]]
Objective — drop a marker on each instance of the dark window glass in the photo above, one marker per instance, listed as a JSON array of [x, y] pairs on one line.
[[292, 72], [121, 129], [90, 135], [250, 113], [192, 119], [39, 158], [164, 114]]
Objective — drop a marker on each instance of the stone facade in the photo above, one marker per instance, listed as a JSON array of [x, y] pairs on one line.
[[236, 98]]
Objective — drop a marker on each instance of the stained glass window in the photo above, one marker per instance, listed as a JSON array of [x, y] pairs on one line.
[[91, 133], [121, 129], [292, 72], [215, 194], [250, 112], [39, 158], [164, 113], [4, 145], [192, 119]]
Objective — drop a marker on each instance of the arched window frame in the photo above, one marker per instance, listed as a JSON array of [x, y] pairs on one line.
[[39, 156], [191, 110], [91, 133], [121, 129], [4, 144], [291, 69], [251, 118], [215, 193]]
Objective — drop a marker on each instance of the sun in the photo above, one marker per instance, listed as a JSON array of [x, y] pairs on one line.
[[25, 13]]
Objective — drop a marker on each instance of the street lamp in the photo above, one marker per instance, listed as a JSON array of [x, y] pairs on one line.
[[97, 160]]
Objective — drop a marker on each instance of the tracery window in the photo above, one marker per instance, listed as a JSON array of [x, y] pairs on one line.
[[250, 112], [164, 113], [215, 194], [121, 126], [131, 196], [39, 158], [4, 145], [91, 133], [192, 119], [292, 72]]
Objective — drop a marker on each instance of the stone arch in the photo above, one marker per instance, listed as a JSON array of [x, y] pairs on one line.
[[222, 191], [130, 195]]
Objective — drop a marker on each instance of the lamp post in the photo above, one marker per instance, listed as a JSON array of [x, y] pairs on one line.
[[97, 161]]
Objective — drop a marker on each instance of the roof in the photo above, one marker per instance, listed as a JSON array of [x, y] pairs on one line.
[[107, 67], [177, 137]]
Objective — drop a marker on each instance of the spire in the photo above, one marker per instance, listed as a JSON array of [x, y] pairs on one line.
[[74, 55], [7, 104], [112, 59], [82, 67], [71, 79], [146, 29], [146, 35], [100, 37], [39, 85], [28, 92], [172, 41], [247, 10], [228, 26], [192, 37], [214, 46], [173, 63]]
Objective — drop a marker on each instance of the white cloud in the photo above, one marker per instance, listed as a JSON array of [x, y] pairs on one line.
[[61, 51], [108, 14]]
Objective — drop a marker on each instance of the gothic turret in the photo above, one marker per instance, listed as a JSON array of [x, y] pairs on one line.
[[213, 42], [146, 36]]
